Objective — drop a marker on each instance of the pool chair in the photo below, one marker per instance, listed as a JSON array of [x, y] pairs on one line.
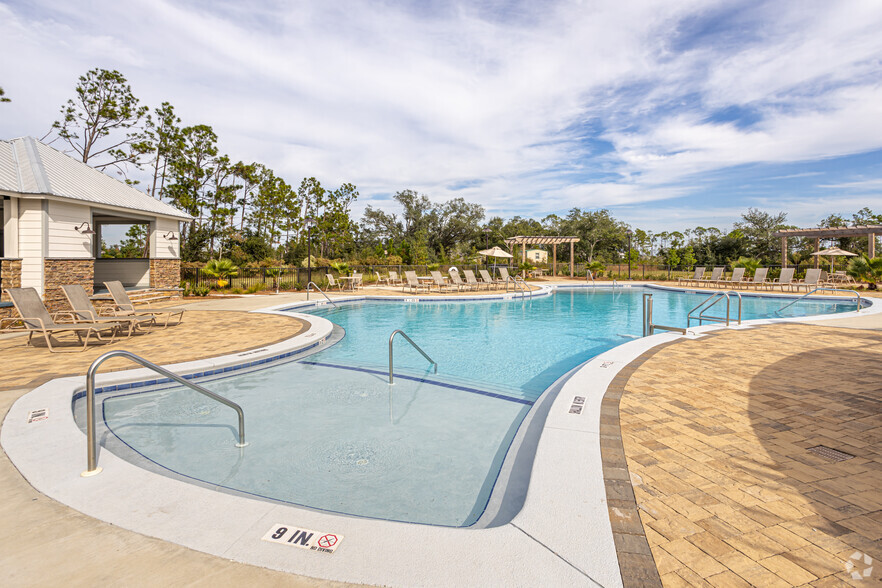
[[413, 283], [759, 278], [472, 281], [438, 281], [711, 281], [457, 281], [811, 280], [35, 319], [332, 283], [381, 281], [124, 307], [784, 280], [358, 282], [82, 310], [491, 283], [698, 275], [841, 278], [735, 281], [394, 279], [503, 273]]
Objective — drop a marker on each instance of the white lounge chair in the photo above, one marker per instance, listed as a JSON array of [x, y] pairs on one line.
[[472, 281]]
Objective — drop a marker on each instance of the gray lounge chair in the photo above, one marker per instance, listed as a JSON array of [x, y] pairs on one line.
[[715, 277], [457, 281], [785, 279], [698, 275], [394, 280], [34, 318], [472, 281], [124, 307], [438, 280], [736, 280], [491, 283], [413, 283], [811, 280], [82, 310], [759, 278]]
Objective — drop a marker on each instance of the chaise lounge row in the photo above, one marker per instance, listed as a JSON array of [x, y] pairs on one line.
[[83, 320], [814, 278]]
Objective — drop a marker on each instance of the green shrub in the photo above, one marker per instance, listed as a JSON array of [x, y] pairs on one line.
[[255, 288], [286, 285], [201, 290], [236, 290]]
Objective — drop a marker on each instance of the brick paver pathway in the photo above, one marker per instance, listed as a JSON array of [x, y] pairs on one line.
[[716, 433]]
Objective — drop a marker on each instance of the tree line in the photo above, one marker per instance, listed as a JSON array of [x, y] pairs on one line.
[[248, 213]]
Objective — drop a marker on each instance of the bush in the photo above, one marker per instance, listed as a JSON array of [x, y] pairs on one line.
[[255, 288], [286, 285], [236, 290], [201, 290]]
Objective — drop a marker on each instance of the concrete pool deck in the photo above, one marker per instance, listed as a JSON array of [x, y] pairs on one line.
[[133, 553]]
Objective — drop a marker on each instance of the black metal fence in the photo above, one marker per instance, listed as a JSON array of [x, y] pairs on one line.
[[289, 278]]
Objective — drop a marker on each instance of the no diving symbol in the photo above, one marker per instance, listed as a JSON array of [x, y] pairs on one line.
[[327, 541]]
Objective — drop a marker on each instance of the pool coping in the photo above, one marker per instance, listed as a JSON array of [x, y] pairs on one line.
[[538, 546]]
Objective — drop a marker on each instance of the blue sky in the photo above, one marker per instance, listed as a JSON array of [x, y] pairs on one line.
[[670, 114]]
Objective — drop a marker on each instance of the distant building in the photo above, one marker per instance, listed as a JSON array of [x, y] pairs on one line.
[[52, 210], [537, 256]]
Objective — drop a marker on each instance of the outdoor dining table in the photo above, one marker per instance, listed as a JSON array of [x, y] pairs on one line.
[[349, 282]]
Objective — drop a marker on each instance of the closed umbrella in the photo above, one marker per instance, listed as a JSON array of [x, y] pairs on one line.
[[834, 252]]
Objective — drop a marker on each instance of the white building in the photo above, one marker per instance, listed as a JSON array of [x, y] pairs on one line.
[[537, 256], [53, 208]]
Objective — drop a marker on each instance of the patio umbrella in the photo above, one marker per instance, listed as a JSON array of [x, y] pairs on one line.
[[834, 252], [495, 252]]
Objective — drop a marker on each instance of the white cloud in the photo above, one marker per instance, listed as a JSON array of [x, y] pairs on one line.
[[431, 97]]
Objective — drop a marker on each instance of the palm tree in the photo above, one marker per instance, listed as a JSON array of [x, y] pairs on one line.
[[865, 269], [220, 269], [749, 263]]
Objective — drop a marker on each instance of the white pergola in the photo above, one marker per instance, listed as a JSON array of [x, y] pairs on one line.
[[512, 242]]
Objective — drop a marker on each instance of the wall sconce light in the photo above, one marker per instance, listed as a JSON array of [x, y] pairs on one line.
[[171, 236], [84, 229]]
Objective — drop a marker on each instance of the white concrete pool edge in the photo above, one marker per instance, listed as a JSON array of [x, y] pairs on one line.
[[562, 534]]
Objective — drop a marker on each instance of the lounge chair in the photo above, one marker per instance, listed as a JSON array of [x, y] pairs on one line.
[[841, 278], [715, 277], [811, 280], [332, 283], [472, 281], [785, 279], [124, 307], [394, 280], [82, 310], [34, 318], [438, 280], [381, 281], [413, 283], [759, 278], [503, 273], [491, 283], [698, 275], [457, 281], [358, 282], [735, 280]]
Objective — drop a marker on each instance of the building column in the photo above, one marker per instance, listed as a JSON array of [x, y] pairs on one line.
[[554, 263], [783, 252], [572, 259], [871, 243], [817, 257], [59, 272], [165, 273]]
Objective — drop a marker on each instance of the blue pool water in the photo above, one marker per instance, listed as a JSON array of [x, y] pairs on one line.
[[328, 431]]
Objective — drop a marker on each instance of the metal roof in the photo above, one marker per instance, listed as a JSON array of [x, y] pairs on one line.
[[519, 240], [830, 231], [28, 166]]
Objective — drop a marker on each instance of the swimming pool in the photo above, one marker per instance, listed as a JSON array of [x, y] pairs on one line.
[[328, 432]]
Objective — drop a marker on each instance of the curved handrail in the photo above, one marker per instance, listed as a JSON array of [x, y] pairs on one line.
[[417, 347], [589, 275], [90, 402], [526, 285], [716, 297], [514, 280], [320, 290], [824, 289]]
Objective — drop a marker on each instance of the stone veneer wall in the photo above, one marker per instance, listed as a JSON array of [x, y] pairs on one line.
[[10, 277], [165, 273], [59, 272]]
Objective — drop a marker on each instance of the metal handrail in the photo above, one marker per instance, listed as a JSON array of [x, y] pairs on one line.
[[824, 289], [716, 297], [589, 275], [526, 285], [320, 290], [90, 402], [649, 327], [417, 347]]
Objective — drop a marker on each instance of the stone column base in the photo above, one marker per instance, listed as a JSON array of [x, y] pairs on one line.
[[165, 273], [60, 272]]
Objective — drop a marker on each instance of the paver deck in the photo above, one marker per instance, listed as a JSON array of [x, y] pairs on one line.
[[716, 433]]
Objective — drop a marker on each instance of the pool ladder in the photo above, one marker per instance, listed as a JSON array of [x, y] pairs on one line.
[[705, 305], [91, 439], [823, 289], [320, 290], [517, 281], [415, 346]]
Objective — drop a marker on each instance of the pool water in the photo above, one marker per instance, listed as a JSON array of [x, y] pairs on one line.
[[329, 432]]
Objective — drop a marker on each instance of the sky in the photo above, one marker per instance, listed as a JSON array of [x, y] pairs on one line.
[[670, 114]]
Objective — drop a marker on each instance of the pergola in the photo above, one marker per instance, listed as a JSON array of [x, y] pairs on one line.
[[857, 231], [553, 241]]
